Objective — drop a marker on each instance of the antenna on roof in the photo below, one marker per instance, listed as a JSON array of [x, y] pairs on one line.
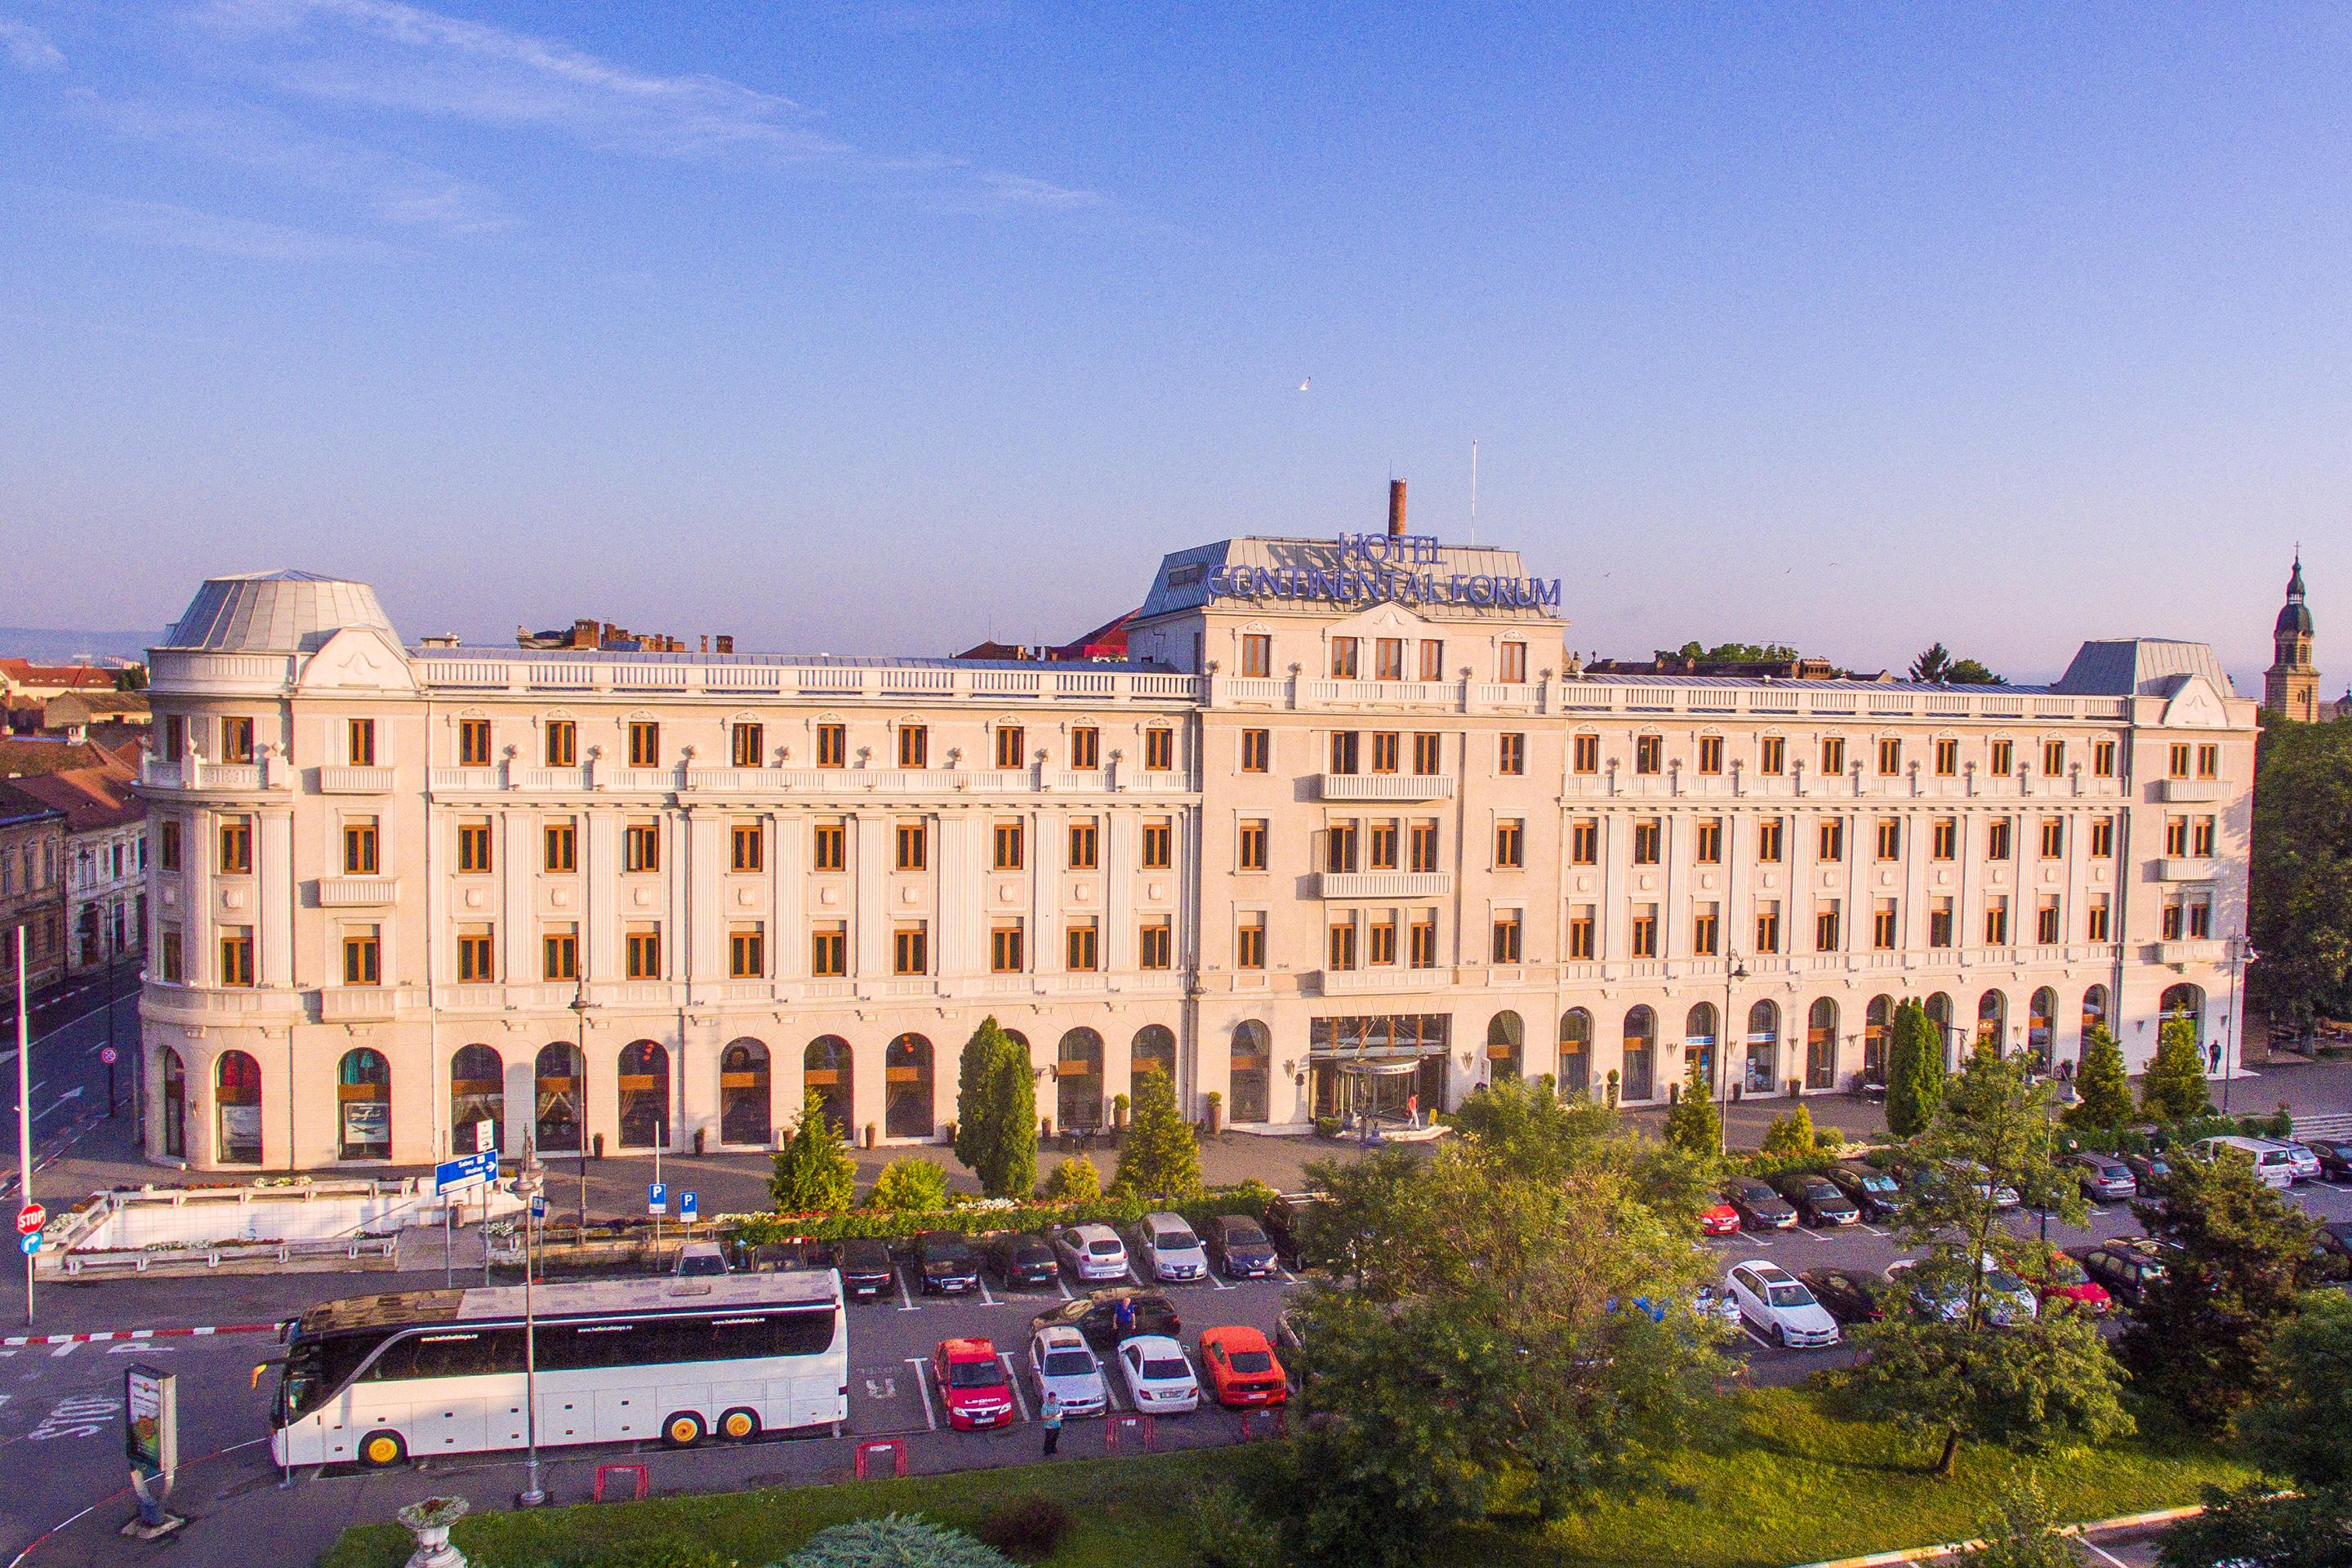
[[1474, 489]]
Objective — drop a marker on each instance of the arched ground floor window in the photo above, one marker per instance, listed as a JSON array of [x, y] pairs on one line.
[[237, 1108]]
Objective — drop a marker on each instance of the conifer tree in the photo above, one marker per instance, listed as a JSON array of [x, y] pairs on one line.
[[1161, 1156], [2101, 1088], [2174, 1088], [1915, 1070], [813, 1173]]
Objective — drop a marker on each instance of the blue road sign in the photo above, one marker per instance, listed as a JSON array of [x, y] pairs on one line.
[[30, 1244], [465, 1170], [656, 1197], [687, 1206], [538, 1205]]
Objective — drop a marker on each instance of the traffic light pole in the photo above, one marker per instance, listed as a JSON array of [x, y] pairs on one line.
[[24, 1111]]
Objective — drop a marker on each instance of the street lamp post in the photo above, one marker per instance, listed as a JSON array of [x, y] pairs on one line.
[[1731, 976], [579, 1035], [2241, 953], [529, 1184]]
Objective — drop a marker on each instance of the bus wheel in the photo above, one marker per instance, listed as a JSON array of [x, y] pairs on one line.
[[740, 1425], [682, 1430], [381, 1449]]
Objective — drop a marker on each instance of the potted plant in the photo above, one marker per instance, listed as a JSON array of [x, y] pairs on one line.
[[1119, 1106], [1613, 1089], [1216, 1112], [429, 1521]]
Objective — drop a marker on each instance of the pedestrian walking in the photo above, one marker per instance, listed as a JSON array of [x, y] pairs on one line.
[[1122, 1317], [1051, 1415]]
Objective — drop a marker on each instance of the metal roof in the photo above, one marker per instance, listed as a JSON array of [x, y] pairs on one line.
[[274, 612]]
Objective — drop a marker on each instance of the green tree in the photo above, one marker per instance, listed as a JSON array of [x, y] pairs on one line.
[[912, 1186], [2229, 1283], [1011, 1169], [2174, 1087], [979, 1120], [1693, 1125], [2255, 1524], [1792, 1133], [2022, 1532], [1074, 1180], [2101, 1088], [1957, 1374], [1936, 666], [131, 678], [2299, 898], [1161, 1156], [1741, 652], [813, 1173], [1915, 1070]]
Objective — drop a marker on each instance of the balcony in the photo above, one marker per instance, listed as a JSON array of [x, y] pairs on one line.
[[2199, 949], [356, 780], [357, 892], [2184, 869], [1385, 787], [2188, 791], [360, 1003], [1384, 884], [217, 1004]]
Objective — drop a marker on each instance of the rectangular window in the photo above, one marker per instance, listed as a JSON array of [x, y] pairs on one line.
[[360, 846], [1995, 924], [1710, 841], [1159, 845], [236, 846], [746, 744], [1251, 846], [1710, 753], [1775, 758], [473, 742], [914, 746], [236, 956], [1890, 839], [1257, 749], [2053, 837], [2200, 920], [1649, 754], [644, 743], [1579, 932], [829, 950], [1883, 925], [2176, 837], [1649, 833], [167, 847], [1433, 659], [1768, 928], [562, 845], [832, 746], [359, 737], [2054, 759], [1513, 663], [559, 950], [2095, 928], [1948, 837], [1511, 755], [1706, 931], [2170, 928], [562, 743], [1832, 839], [1343, 751], [1006, 951], [1340, 847], [1380, 941], [1890, 757], [1644, 937], [914, 841], [1510, 845], [911, 949], [174, 968], [1506, 936], [1343, 659], [2179, 761], [477, 962], [237, 741], [1086, 845], [1249, 942], [1257, 654], [642, 949], [1009, 845], [1011, 739], [2200, 838], [1833, 754], [2047, 923], [1584, 841], [1155, 944], [1159, 749], [747, 846], [2103, 758], [1388, 659], [1383, 855], [1948, 759], [474, 848], [747, 952], [1428, 755], [2004, 757], [175, 737], [1341, 951], [1939, 924], [1420, 846], [1387, 746], [641, 847], [1767, 839], [363, 956], [1825, 927], [1084, 950], [830, 849], [2209, 762], [1588, 754], [1998, 844]]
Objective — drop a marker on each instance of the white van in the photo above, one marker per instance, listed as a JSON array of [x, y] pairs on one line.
[[2273, 1164]]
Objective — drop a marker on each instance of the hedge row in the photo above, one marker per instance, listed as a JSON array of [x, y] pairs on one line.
[[2148, 1139], [986, 1218]]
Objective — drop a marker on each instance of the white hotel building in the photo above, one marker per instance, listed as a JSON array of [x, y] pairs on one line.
[[1305, 850]]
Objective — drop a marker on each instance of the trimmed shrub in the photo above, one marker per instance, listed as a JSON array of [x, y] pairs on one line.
[[895, 1541], [909, 1186], [1028, 1529], [1074, 1180]]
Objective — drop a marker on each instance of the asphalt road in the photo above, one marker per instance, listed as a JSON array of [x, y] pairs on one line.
[[69, 1030]]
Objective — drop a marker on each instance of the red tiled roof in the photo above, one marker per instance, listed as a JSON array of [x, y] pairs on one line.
[[91, 797], [46, 754], [24, 672]]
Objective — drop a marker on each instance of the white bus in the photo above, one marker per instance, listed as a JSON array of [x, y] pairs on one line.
[[377, 1380]]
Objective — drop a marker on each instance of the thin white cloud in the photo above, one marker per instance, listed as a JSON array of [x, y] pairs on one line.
[[28, 48], [173, 226]]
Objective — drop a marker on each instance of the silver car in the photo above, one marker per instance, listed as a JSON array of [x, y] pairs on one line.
[[2305, 1166], [1093, 1252], [1061, 1364], [1166, 1246]]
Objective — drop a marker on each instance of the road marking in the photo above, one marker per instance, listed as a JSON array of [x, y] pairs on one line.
[[1013, 1381], [923, 1382], [906, 1302], [1131, 1277], [881, 1388], [1286, 1273], [984, 1291], [1111, 1382], [1874, 1230], [1212, 1278], [1752, 1334], [85, 1415], [65, 1350], [40, 1086], [1059, 1284], [2102, 1552]]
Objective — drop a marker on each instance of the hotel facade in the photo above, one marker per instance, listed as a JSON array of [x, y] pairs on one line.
[[1346, 830]]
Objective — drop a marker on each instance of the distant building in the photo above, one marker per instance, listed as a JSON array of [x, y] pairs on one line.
[[32, 889], [2291, 685], [21, 678], [105, 850], [1106, 644], [1669, 663]]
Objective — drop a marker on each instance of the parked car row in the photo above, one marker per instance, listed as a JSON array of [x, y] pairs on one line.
[[1162, 1248], [1066, 1364], [1846, 1194]]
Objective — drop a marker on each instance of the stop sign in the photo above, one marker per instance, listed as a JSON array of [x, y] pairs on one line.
[[30, 1218]]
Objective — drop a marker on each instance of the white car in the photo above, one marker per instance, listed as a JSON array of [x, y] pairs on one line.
[[1166, 1246], [1062, 1364], [2303, 1166], [1159, 1377], [1775, 1304], [1092, 1252]]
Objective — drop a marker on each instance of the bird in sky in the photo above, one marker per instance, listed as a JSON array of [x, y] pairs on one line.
[[1307, 383]]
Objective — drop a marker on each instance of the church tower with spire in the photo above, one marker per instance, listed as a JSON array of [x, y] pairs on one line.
[[2291, 685]]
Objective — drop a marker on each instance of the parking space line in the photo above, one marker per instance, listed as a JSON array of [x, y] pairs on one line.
[[2102, 1552], [1752, 1334], [906, 1302], [65, 1350], [1062, 1286], [984, 1296], [1111, 1382], [1212, 1278], [1286, 1273], [1013, 1381], [923, 1382]]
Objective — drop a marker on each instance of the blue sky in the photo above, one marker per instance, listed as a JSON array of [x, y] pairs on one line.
[[879, 328]]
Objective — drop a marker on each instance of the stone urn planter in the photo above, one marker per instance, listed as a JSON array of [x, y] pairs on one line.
[[429, 1521]]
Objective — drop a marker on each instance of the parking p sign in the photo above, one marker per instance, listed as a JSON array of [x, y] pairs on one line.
[[656, 1198], [688, 1204]]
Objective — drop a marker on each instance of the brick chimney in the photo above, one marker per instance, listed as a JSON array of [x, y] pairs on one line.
[[1396, 509]]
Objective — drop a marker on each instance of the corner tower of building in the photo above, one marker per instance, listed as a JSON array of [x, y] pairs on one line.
[[2291, 685]]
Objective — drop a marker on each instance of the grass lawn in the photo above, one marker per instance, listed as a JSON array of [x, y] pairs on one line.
[[1779, 1482]]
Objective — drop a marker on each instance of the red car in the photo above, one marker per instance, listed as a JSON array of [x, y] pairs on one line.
[[1718, 1219], [2067, 1283], [973, 1384], [1242, 1368]]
